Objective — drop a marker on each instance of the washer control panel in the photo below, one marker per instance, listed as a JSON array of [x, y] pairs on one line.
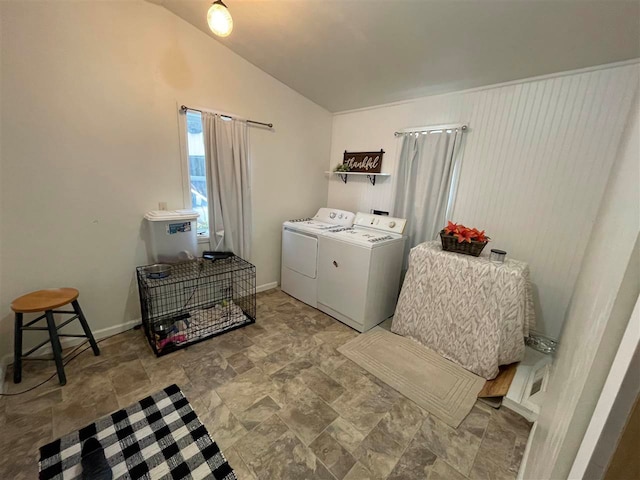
[[335, 216], [380, 222]]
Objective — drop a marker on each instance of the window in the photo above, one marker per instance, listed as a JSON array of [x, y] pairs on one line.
[[197, 171]]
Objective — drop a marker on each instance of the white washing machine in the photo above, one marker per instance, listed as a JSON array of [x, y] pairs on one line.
[[299, 276], [359, 270]]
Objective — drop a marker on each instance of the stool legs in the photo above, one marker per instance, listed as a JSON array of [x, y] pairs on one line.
[[55, 345], [85, 327], [17, 350]]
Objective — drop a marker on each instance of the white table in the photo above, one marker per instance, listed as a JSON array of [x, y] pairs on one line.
[[468, 309]]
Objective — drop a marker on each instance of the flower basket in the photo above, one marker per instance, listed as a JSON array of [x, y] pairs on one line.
[[460, 239], [451, 244]]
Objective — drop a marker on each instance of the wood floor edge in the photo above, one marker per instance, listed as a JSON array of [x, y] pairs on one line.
[[499, 386]]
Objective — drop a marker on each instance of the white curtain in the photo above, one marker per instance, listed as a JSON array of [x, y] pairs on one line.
[[426, 176], [229, 184]]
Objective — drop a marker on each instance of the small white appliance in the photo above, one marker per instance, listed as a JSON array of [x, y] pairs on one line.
[[300, 251], [172, 235], [359, 270]]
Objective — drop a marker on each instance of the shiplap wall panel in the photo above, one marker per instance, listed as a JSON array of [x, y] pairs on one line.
[[535, 161]]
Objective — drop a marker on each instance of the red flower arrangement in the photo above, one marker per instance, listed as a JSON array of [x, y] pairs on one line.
[[465, 234]]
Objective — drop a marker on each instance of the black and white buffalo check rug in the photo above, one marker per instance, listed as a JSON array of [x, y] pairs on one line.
[[160, 437]]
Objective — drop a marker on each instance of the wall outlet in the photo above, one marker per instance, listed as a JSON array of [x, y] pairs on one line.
[[162, 205]]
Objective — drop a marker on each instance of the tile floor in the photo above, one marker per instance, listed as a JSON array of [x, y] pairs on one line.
[[278, 398]]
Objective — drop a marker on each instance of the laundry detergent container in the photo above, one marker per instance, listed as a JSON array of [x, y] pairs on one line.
[[172, 235]]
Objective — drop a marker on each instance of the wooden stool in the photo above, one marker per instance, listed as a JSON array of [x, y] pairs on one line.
[[46, 301]]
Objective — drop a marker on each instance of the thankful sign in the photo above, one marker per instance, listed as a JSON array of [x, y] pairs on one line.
[[366, 162]]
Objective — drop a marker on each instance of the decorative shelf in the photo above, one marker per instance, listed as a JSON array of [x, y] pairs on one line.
[[370, 176]]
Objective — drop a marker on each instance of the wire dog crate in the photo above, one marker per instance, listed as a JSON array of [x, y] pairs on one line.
[[198, 300]]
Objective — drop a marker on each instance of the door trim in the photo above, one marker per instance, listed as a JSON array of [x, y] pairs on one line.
[[613, 385]]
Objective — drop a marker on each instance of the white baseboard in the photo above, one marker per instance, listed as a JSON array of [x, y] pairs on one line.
[[266, 286], [98, 335]]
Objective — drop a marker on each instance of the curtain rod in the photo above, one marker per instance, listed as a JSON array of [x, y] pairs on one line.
[[436, 128], [184, 108]]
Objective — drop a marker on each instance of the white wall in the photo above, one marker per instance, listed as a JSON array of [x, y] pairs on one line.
[[536, 158], [90, 129], [605, 294]]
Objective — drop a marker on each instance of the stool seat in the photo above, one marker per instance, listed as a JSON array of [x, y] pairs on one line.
[[44, 300], [48, 301]]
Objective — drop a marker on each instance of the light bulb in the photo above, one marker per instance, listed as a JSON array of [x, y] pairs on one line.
[[219, 19]]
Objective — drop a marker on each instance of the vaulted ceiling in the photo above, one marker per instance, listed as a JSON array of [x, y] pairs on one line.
[[357, 53]]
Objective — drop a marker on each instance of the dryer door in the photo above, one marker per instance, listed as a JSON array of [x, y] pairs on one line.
[[300, 252]]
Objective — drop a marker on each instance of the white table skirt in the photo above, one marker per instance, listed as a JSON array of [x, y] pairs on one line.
[[468, 309]]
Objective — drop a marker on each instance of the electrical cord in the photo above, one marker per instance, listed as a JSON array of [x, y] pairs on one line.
[[70, 356]]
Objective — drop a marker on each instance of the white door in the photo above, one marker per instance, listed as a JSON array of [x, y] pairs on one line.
[[343, 273], [300, 252]]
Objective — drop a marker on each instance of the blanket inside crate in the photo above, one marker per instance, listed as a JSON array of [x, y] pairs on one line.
[[200, 323]]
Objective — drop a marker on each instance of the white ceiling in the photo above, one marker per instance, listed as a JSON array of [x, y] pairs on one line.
[[357, 53]]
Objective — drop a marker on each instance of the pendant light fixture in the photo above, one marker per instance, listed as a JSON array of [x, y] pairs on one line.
[[219, 19]]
